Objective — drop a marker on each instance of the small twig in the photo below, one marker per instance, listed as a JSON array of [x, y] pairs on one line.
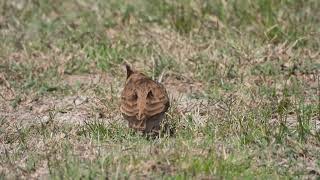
[[153, 67], [161, 76], [6, 98], [8, 86]]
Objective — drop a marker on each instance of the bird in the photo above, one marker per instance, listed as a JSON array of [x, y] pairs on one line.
[[143, 102]]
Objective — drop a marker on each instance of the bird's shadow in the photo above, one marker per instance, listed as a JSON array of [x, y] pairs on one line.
[[167, 130]]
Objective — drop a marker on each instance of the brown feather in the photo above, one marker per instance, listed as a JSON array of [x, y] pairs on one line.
[[143, 101]]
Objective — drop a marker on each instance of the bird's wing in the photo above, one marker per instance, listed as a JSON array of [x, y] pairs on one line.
[[159, 102], [128, 104]]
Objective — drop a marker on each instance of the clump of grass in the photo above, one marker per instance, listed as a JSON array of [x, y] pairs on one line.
[[101, 131], [105, 56]]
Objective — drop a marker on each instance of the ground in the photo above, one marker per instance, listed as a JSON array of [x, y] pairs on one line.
[[243, 79]]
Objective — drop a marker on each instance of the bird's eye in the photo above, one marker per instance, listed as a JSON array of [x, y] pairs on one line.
[[150, 94]]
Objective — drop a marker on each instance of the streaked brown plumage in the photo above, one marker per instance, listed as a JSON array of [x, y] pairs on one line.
[[143, 102]]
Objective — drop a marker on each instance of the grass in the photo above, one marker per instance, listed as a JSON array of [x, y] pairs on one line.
[[243, 77]]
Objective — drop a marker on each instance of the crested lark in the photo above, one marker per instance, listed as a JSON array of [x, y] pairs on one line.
[[143, 102]]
